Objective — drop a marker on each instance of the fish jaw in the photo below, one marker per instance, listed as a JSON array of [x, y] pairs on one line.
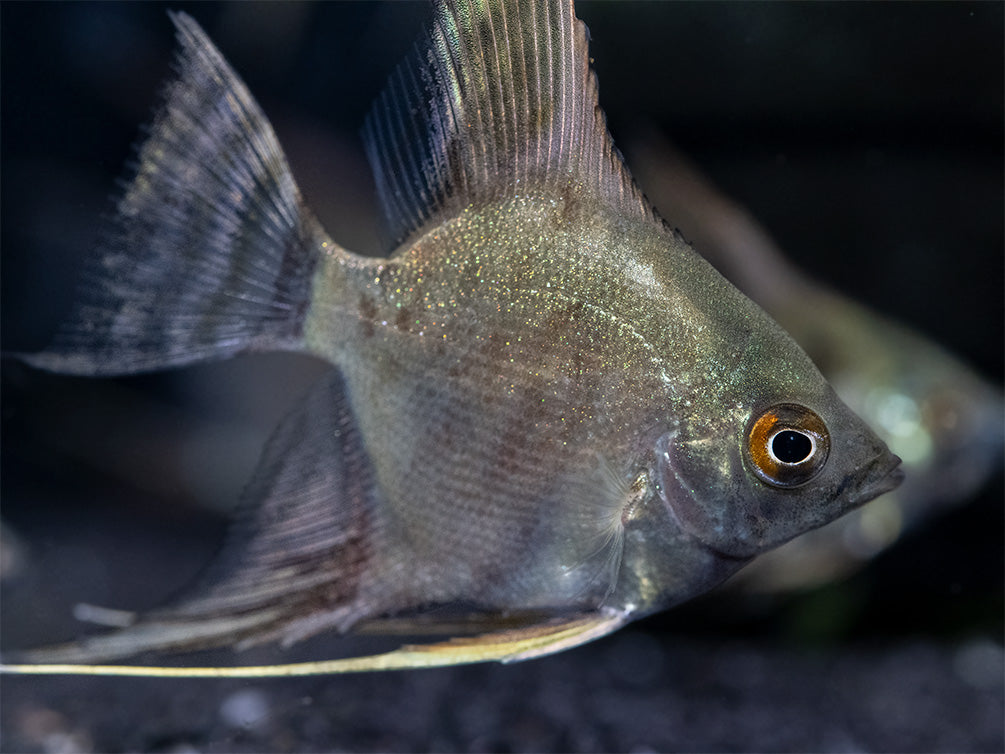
[[883, 475]]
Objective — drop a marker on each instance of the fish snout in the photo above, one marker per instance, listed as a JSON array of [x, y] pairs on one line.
[[884, 474]]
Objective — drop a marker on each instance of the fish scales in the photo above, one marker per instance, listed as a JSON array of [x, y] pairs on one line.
[[514, 400], [545, 409]]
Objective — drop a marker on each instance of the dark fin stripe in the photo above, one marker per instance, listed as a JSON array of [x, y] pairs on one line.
[[211, 252], [497, 99], [296, 555]]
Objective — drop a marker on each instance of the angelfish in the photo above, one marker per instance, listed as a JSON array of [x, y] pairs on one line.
[[547, 409]]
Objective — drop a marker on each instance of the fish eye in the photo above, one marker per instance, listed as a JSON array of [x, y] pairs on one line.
[[787, 445]]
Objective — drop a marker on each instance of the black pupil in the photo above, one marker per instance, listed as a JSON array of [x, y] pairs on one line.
[[791, 447]]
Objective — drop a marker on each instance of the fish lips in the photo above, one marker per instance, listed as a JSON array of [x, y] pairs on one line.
[[883, 475], [744, 530]]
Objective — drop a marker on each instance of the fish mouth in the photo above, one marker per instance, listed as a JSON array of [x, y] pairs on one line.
[[883, 475]]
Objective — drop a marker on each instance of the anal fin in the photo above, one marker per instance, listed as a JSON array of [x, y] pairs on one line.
[[295, 558]]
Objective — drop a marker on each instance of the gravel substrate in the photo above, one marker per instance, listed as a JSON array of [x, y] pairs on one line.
[[635, 692]]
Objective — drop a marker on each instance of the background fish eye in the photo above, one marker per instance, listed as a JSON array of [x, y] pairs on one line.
[[787, 445]]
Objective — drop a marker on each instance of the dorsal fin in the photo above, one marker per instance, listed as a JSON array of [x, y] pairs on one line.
[[497, 98]]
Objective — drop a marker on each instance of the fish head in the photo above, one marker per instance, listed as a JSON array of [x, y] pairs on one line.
[[767, 450]]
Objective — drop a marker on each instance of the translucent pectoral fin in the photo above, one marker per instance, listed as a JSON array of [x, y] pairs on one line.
[[509, 645]]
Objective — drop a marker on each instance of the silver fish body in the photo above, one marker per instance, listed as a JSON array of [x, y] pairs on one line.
[[545, 404], [526, 361]]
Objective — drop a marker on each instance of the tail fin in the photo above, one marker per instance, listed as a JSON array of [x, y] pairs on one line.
[[212, 251], [297, 559]]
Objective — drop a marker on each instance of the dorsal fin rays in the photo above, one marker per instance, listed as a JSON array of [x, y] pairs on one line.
[[498, 98]]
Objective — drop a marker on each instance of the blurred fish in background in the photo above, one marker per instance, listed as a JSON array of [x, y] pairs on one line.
[[935, 412]]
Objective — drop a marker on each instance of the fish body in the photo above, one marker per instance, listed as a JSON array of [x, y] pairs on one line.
[[940, 417], [543, 403], [523, 363]]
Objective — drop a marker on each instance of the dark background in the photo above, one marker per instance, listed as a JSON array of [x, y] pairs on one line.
[[866, 137]]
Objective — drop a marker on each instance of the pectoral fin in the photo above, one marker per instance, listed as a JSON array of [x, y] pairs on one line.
[[510, 645]]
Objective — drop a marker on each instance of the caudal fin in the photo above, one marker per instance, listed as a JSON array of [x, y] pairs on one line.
[[211, 252]]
